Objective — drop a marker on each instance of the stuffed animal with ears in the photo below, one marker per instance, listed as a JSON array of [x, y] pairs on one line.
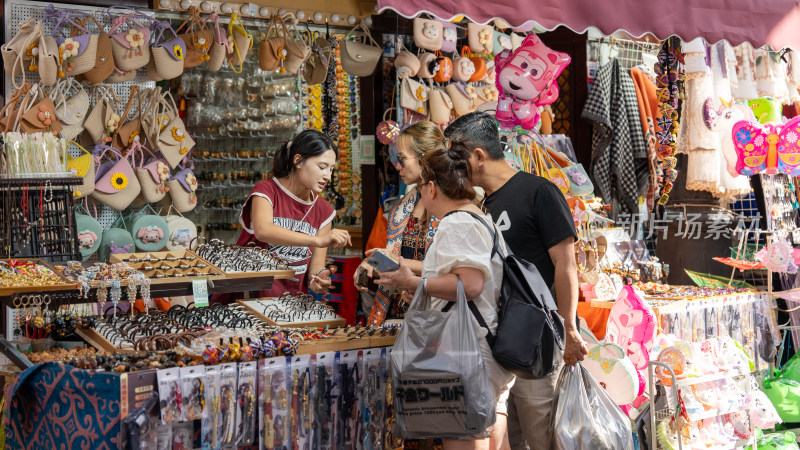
[[526, 80], [87, 239], [150, 234], [721, 118], [123, 249]]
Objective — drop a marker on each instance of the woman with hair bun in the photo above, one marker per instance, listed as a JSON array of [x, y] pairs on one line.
[[285, 214], [462, 248]]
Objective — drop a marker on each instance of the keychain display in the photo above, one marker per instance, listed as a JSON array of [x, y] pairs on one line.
[[170, 396], [246, 413], [228, 405], [193, 383]]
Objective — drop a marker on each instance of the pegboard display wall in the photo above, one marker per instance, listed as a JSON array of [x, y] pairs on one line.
[[20, 10]]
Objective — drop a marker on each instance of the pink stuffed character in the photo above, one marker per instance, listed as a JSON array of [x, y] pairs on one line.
[[87, 239], [526, 80], [632, 326], [150, 234]]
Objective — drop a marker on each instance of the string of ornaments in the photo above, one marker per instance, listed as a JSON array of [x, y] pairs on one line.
[[670, 84]]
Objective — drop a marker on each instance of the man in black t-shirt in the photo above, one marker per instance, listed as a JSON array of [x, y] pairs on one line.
[[537, 224]]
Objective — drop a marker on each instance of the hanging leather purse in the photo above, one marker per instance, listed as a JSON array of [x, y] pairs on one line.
[[130, 40], [168, 53], [360, 59], [220, 47], [272, 50], [242, 43], [83, 166], [103, 118], [428, 34], [104, 62], [115, 183], [40, 113], [130, 130], [441, 105], [196, 37], [71, 106], [481, 38]]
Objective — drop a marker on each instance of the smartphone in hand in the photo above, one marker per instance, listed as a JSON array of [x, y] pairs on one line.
[[382, 262]]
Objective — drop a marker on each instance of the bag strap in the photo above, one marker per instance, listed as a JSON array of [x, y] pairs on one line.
[[367, 34], [234, 22], [475, 312]]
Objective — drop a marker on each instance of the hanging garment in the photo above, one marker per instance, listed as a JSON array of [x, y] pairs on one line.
[[745, 89], [648, 113], [617, 138]]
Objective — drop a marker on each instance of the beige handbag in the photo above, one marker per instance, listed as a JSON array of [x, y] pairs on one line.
[[84, 167], [441, 106], [104, 62], [428, 65], [428, 34], [463, 67], [130, 130], [166, 131], [38, 113], [115, 183], [360, 59], [481, 38], [315, 70], [406, 64], [273, 49], [153, 175], [130, 41], [78, 51], [10, 114], [121, 76], [48, 60], [71, 106], [463, 103], [100, 123], [299, 50], [168, 54], [196, 37], [242, 43], [21, 52], [182, 189], [414, 96], [220, 47]]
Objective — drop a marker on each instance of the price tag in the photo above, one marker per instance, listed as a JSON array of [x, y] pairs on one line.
[[200, 291]]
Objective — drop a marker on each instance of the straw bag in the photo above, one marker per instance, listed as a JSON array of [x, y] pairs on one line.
[[315, 69], [428, 34], [115, 183], [10, 114], [78, 51], [242, 42], [360, 59], [481, 38], [579, 182], [406, 65], [480, 68], [166, 131], [463, 67], [220, 47], [103, 118], [71, 106], [21, 52], [104, 59], [299, 50], [196, 37], [428, 65], [130, 40], [39, 113], [90, 232], [182, 187], [115, 240], [83, 166], [148, 229], [414, 96], [463, 102], [182, 232], [273, 49], [153, 174], [48, 60], [445, 71], [168, 54], [131, 130], [487, 94], [441, 105]]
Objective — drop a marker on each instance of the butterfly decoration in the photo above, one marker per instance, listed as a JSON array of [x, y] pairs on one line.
[[771, 148]]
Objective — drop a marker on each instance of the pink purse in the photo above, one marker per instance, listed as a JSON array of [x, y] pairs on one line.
[[115, 183]]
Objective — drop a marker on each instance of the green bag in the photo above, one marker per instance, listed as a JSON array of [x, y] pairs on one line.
[[90, 232], [148, 229], [115, 240], [784, 393]]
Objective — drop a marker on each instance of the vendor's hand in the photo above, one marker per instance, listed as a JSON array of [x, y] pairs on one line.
[[321, 282], [363, 267], [334, 238], [402, 278], [574, 347]]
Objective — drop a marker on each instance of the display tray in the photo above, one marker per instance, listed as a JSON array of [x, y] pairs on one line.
[[99, 342], [163, 266], [252, 307], [11, 290], [276, 274]]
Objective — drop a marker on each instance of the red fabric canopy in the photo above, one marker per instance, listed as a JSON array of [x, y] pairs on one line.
[[773, 22]]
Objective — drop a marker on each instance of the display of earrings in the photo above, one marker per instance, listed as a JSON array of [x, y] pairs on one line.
[[780, 198]]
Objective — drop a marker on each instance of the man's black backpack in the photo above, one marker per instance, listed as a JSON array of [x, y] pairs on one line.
[[530, 333]]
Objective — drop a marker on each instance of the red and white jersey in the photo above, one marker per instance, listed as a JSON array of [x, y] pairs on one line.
[[293, 214]]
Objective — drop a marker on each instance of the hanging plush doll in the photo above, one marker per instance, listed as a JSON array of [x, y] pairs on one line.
[[526, 80]]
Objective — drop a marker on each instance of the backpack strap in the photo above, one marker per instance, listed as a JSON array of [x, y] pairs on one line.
[[478, 316]]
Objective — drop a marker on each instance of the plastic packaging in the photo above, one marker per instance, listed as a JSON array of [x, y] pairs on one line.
[[440, 382], [169, 390], [585, 417], [245, 405]]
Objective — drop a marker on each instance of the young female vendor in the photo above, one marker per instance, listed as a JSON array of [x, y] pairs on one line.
[[286, 215]]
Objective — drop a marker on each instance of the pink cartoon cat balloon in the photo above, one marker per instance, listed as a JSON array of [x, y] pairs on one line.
[[526, 80]]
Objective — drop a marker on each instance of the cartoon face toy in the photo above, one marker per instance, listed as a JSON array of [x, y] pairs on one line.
[[150, 234], [632, 326], [430, 30], [577, 177], [115, 249], [181, 236], [86, 239]]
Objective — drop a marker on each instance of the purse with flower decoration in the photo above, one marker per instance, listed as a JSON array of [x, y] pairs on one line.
[[441, 105], [82, 166], [168, 53], [130, 130], [152, 172], [77, 46], [486, 93], [71, 106], [21, 52], [103, 118], [166, 131], [130, 39], [464, 100], [115, 182], [39, 114], [196, 37], [183, 190], [104, 59], [273, 49], [220, 47], [481, 38], [242, 43], [414, 96]]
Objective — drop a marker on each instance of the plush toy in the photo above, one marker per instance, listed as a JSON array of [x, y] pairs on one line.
[[721, 120], [526, 80], [632, 326], [777, 257], [772, 147]]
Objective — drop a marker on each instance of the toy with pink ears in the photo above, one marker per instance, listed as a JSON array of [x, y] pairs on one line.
[[526, 80]]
